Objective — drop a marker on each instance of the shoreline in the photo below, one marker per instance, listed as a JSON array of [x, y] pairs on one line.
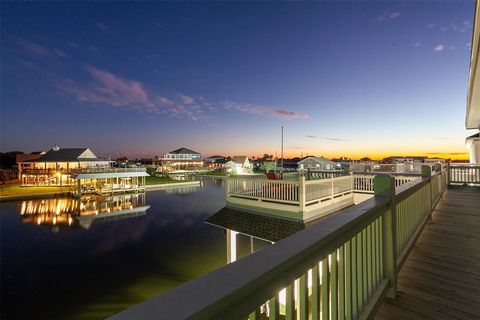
[[54, 194]]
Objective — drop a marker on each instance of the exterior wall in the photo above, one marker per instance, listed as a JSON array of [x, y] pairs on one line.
[[181, 164], [475, 152], [314, 165], [54, 173], [182, 156]]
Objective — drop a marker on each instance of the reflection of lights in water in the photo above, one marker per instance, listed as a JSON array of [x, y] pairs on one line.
[[55, 220], [39, 220], [70, 220], [96, 212]]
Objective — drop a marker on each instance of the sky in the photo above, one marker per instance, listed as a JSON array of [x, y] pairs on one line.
[[140, 79]]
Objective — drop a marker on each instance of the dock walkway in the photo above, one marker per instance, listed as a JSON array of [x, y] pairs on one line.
[[441, 277]]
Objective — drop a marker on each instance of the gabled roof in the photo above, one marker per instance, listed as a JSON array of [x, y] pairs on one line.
[[239, 159], [67, 155], [183, 150], [320, 160]]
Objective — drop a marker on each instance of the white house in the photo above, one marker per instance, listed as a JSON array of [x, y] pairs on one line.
[[473, 143], [239, 165], [317, 163]]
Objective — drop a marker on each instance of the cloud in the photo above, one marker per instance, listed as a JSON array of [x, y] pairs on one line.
[[60, 53], [31, 47], [335, 139], [394, 15], [439, 47], [186, 99], [417, 44], [454, 27], [326, 138], [389, 15], [265, 111], [101, 25], [110, 90]]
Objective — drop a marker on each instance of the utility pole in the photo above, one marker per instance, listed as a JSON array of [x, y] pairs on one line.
[[282, 153]]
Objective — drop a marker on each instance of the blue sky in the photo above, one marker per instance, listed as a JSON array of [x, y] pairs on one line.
[[141, 79]]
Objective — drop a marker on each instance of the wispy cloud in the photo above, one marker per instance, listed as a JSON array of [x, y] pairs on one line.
[[389, 15], [326, 138], [108, 89], [31, 47], [265, 111], [60, 53], [417, 44], [101, 25], [463, 26], [439, 47]]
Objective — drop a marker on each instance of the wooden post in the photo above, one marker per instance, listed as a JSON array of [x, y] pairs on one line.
[[427, 173], [301, 194], [384, 185]]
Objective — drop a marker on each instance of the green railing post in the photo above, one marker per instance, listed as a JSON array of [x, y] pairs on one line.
[[384, 185], [427, 173], [301, 193]]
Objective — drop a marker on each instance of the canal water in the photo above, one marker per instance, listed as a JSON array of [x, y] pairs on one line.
[[88, 259]]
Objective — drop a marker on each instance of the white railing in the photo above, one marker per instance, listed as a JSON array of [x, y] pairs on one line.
[[261, 189], [364, 182], [464, 174], [341, 268], [298, 196]]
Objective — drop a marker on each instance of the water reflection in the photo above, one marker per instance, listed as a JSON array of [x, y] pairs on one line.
[[73, 212]]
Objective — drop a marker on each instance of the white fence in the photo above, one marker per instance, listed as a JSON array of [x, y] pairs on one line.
[[364, 182], [464, 174], [307, 199]]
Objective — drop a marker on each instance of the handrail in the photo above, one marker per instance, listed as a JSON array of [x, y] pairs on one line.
[[351, 260], [215, 295]]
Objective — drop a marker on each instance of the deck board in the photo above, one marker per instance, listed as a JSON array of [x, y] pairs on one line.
[[441, 277]]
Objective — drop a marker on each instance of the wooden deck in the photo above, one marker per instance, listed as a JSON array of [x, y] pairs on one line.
[[441, 277]]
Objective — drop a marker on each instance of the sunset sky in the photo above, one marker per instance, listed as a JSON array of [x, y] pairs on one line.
[[141, 79]]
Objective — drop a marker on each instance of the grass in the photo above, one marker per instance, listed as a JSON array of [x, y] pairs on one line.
[[160, 180], [15, 189], [213, 173]]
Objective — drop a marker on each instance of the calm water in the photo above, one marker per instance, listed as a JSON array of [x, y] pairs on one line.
[[94, 268]]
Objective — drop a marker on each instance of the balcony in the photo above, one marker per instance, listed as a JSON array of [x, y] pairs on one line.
[[82, 170], [345, 266]]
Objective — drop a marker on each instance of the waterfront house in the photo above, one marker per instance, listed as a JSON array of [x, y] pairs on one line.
[[316, 163], [239, 165], [181, 159], [55, 167], [473, 143], [81, 169]]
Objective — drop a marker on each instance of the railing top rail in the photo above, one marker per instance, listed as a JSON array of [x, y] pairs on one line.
[[255, 277], [262, 180]]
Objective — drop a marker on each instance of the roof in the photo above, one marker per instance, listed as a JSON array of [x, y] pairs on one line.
[[260, 226], [184, 150], [472, 117], [321, 160], [67, 155], [477, 135], [239, 159]]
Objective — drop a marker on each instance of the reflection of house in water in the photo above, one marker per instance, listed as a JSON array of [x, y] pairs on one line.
[[71, 212]]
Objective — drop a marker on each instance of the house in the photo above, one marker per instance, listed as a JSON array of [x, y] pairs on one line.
[[55, 167], [473, 143], [81, 169], [216, 162], [239, 165], [181, 159], [317, 163]]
